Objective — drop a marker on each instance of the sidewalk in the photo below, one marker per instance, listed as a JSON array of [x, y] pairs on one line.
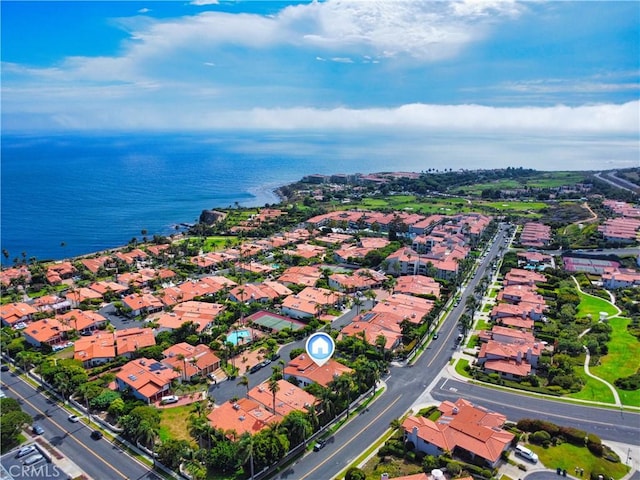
[[63, 463]]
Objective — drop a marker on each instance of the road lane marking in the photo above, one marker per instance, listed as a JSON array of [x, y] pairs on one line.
[[68, 434], [445, 393], [352, 439]]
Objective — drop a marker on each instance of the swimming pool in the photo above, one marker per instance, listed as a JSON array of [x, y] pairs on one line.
[[239, 336]]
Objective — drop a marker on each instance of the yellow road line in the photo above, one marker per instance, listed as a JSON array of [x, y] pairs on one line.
[[72, 437], [347, 443]]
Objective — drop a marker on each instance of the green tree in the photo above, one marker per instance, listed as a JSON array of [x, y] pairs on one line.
[[274, 388], [354, 473], [172, 452], [296, 427], [244, 381], [224, 456]]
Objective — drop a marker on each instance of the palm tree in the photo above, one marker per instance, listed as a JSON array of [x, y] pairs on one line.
[[328, 403], [274, 388], [147, 434], [312, 415], [199, 427], [199, 408], [244, 380], [246, 447], [357, 302]]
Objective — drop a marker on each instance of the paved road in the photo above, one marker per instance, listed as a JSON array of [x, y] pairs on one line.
[[608, 423], [100, 459]]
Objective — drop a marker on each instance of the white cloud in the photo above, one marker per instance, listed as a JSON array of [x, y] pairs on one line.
[[111, 109], [204, 2], [144, 10], [341, 60]]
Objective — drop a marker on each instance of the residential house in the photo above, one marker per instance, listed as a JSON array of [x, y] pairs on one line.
[[306, 371], [264, 292], [310, 301], [288, 398], [462, 428], [418, 285], [77, 296], [201, 314], [142, 304], [49, 331], [358, 281], [146, 379], [243, 416], [412, 309], [95, 349], [60, 271], [51, 303], [129, 340], [131, 256], [19, 275], [519, 276], [191, 360], [535, 234], [372, 325], [13, 314], [305, 275], [620, 278], [82, 321], [108, 288]]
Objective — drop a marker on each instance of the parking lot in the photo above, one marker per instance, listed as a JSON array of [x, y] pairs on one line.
[[18, 468]]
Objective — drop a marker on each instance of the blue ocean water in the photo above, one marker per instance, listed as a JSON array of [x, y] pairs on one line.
[[93, 192]]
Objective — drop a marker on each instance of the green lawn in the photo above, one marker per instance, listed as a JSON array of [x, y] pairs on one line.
[[516, 206], [557, 179], [623, 359], [593, 306], [593, 390], [482, 325], [567, 457], [174, 423]]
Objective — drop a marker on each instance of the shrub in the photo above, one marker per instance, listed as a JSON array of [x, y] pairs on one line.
[[355, 473], [573, 435], [540, 438]]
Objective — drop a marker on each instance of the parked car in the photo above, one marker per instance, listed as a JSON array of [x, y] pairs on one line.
[[255, 368], [4, 368], [73, 418], [319, 445], [96, 434], [26, 450], [33, 459], [169, 399], [37, 429], [524, 452], [435, 336]]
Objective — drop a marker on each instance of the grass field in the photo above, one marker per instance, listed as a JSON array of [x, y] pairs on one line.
[[593, 390], [174, 423], [623, 359], [567, 457], [593, 306]]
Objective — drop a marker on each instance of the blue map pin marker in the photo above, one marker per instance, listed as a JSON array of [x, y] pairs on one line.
[[320, 347]]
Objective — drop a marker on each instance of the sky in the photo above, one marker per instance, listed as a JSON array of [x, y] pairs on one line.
[[494, 67]]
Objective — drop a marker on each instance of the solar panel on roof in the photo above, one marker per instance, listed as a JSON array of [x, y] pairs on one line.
[[156, 366]]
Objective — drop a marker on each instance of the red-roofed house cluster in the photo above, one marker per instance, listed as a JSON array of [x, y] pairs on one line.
[[461, 427]]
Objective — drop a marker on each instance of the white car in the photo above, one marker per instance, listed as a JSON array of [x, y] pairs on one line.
[[524, 452], [73, 418], [26, 451], [33, 459]]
